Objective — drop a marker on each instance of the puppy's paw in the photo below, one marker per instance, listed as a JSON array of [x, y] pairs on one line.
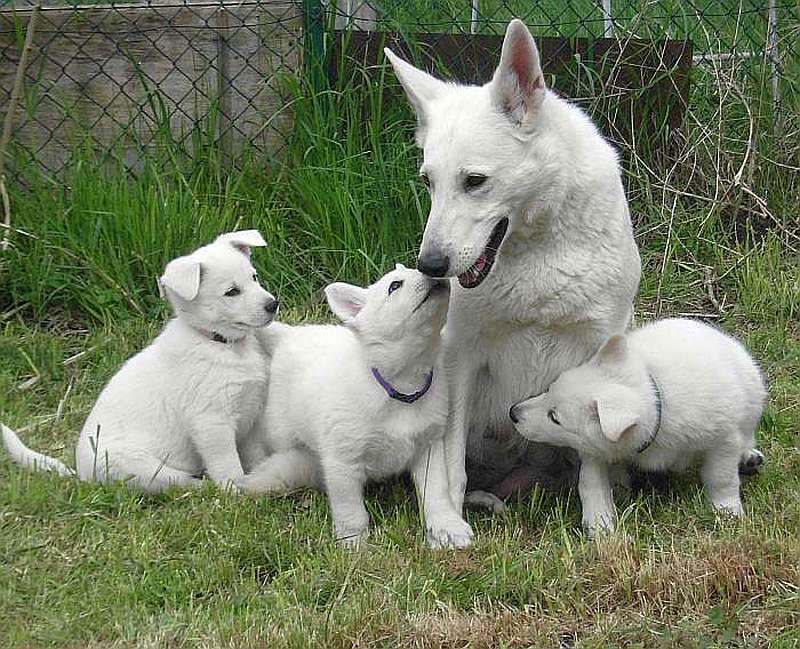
[[448, 533], [730, 507], [484, 500], [258, 483], [352, 539], [599, 524], [751, 462]]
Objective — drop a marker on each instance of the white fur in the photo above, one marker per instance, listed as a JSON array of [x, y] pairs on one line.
[[331, 425], [178, 409], [568, 268], [712, 396]]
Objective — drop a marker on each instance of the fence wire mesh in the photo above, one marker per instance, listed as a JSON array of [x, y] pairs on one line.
[[124, 77], [121, 78]]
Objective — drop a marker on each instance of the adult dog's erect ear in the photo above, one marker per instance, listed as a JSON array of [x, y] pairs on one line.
[[243, 240], [345, 300], [613, 352], [518, 84], [421, 89], [182, 276]]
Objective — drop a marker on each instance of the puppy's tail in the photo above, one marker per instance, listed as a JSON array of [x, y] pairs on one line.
[[30, 459]]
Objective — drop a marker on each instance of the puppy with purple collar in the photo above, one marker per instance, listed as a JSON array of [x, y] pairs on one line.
[[658, 397], [363, 401]]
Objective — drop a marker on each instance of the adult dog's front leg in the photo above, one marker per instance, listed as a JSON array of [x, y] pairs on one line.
[[216, 444], [461, 384], [444, 525]]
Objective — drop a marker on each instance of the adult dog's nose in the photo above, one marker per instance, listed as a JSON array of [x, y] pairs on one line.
[[271, 306], [512, 412], [433, 264]]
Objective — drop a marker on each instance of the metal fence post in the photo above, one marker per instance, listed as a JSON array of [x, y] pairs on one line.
[[608, 20], [772, 51], [314, 38]]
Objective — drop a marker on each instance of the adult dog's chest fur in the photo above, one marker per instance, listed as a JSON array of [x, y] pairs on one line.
[[518, 363], [540, 315]]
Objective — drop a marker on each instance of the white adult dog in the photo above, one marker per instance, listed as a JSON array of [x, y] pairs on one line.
[[529, 214], [178, 409], [658, 398], [362, 402]]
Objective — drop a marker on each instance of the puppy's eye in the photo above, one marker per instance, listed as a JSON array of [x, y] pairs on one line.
[[394, 286], [233, 291], [473, 181], [551, 415], [425, 180]]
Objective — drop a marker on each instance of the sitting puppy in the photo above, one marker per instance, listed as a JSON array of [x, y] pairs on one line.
[[657, 397], [178, 408], [363, 401]]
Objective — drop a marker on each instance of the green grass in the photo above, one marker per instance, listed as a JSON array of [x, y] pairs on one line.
[[83, 564], [90, 565]]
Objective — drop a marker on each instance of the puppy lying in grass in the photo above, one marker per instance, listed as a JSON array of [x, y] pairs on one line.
[[177, 409], [362, 402], [658, 397]]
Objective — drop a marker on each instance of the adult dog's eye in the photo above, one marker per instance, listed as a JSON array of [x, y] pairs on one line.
[[425, 180], [233, 291], [394, 286], [551, 415], [473, 181]]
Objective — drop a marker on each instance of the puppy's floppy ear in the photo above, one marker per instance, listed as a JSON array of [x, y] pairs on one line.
[[613, 352], [243, 240], [345, 300], [182, 275], [518, 84], [421, 89], [615, 421]]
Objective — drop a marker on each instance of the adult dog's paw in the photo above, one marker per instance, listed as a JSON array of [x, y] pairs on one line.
[[448, 533], [485, 500]]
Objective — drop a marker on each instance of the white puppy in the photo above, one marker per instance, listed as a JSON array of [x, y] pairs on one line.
[[658, 397], [363, 401], [177, 409]]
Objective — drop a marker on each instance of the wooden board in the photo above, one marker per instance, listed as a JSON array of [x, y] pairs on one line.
[[627, 86]]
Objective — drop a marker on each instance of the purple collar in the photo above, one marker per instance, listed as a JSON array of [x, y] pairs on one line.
[[394, 394]]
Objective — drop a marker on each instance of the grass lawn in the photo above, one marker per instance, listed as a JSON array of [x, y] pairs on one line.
[[94, 565]]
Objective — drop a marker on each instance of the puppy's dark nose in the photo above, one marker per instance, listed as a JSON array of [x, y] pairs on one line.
[[271, 306], [433, 264], [513, 414]]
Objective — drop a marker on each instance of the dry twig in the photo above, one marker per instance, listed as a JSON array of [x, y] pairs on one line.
[[9, 120]]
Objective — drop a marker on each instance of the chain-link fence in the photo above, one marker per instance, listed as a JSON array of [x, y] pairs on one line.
[[122, 78]]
